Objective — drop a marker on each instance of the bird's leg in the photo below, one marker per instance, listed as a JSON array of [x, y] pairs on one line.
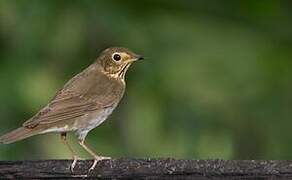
[[74, 155], [96, 157]]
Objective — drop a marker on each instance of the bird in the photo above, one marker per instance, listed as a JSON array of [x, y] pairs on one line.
[[83, 103]]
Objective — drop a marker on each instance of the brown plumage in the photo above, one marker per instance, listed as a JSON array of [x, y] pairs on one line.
[[83, 103]]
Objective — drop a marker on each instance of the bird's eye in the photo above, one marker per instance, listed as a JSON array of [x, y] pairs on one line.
[[117, 57]]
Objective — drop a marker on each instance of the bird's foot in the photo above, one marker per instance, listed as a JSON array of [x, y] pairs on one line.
[[96, 160], [75, 159]]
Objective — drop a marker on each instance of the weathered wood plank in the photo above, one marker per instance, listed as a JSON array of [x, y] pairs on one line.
[[149, 169]]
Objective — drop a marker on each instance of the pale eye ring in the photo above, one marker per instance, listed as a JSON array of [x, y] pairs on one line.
[[117, 57]]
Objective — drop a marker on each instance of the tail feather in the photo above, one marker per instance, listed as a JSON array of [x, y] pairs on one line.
[[17, 135]]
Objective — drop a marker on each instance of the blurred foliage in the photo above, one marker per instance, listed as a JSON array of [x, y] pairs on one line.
[[216, 82]]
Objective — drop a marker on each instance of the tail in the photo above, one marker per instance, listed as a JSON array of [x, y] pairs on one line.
[[17, 135]]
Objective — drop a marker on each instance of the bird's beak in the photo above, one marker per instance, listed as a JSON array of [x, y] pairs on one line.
[[139, 57]]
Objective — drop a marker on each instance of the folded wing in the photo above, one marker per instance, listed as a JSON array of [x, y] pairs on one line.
[[64, 106]]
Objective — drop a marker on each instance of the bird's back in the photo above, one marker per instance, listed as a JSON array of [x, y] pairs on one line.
[[94, 91]]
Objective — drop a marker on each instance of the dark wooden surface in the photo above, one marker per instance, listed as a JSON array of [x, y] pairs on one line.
[[148, 169]]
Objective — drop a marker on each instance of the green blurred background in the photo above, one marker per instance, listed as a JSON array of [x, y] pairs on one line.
[[216, 82]]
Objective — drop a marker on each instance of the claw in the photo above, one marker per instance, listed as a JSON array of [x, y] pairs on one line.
[[75, 159], [96, 160], [93, 165]]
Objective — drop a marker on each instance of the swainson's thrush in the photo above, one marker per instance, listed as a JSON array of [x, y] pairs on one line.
[[83, 103]]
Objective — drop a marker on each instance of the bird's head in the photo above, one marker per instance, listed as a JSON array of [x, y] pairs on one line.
[[115, 61]]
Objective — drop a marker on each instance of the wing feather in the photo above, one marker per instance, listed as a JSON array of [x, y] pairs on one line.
[[64, 106], [95, 91]]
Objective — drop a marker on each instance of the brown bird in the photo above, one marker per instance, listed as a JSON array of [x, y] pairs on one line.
[[84, 102]]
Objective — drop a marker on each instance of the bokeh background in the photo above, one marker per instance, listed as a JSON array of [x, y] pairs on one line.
[[216, 83]]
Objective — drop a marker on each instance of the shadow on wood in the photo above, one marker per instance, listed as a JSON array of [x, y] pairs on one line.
[[148, 169]]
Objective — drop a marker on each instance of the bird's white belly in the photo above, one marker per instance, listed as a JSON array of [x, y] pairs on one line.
[[93, 122]]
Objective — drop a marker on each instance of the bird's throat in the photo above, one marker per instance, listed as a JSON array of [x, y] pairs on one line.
[[123, 71], [120, 75]]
